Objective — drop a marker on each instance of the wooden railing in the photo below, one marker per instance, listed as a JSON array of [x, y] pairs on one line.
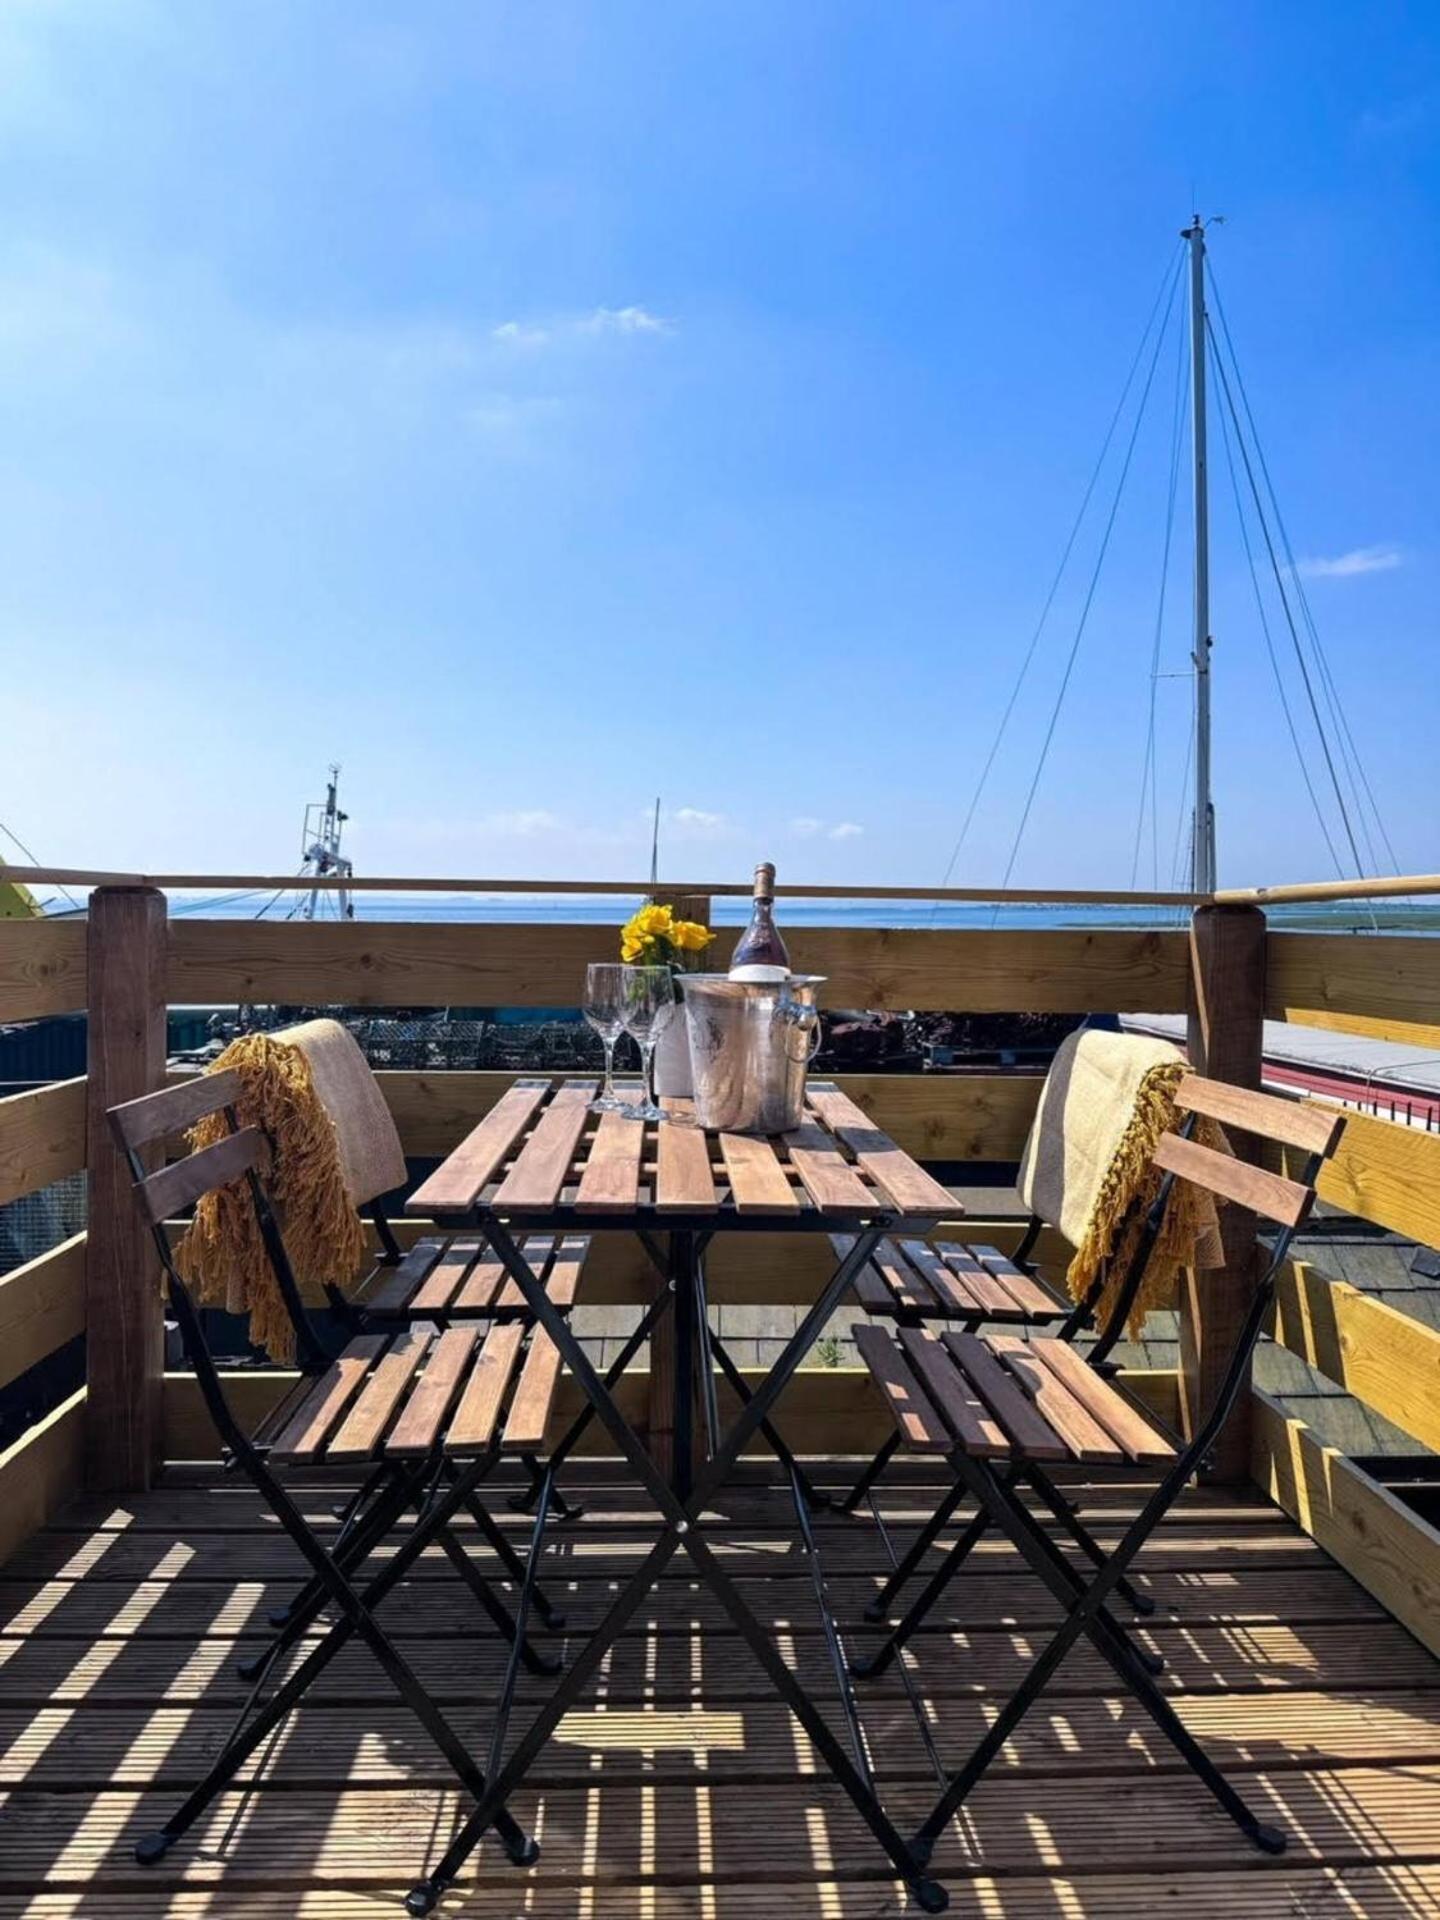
[[128, 962]]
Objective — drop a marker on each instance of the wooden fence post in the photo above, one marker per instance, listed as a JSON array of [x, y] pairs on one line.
[[1225, 1042], [124, 1322]]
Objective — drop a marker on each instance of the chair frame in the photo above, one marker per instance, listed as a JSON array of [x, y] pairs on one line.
[[1085, 1605], [436, 1486]]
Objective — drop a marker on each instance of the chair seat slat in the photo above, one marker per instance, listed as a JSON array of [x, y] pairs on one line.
[[967, 1416], [364, 1426], [418, 1427], [307, 1429], [920, 1427], [996, 1388], [472, 1427]]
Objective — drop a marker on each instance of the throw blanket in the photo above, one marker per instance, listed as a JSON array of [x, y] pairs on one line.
[[1106, 1102], [334, 1147]]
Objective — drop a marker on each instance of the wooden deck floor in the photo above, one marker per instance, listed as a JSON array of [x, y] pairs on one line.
[[683, 1789]]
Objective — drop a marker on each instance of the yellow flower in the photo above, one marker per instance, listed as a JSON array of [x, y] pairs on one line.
[[652, 921], [630, 950], [690, 936]]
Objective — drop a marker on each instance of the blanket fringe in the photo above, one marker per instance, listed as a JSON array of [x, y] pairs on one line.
[[221, 1254], [1126, 1192]]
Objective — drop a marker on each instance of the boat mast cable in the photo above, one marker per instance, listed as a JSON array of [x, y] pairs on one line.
[[1089, 599], [1168, 281], [1289, 617], [1355, 764], [1149, 769], [1203, 856], [1274, 657]]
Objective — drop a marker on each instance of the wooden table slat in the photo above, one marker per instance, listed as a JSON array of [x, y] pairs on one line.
[[534, 1183], [610, 1178], [684, 1181], [825, 1173], [463, 1175], [894, 1172], [758, 1181]]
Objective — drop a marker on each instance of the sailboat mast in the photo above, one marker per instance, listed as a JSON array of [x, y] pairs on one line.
[[1203, 841]]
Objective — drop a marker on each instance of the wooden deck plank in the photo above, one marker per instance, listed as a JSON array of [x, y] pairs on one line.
[[604, 1835], [117, 1681], [380, 1743]]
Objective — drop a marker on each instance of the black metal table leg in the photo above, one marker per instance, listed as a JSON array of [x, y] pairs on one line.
[[681, 1528]]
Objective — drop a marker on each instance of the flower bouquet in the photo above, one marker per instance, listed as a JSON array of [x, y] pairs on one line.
[[655, 937]]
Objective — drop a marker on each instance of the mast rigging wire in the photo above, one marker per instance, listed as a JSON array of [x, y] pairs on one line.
[[1148, 769], [1169, 280], [1355, 764], [1285, 605], [1270, 645], [1090, 591]]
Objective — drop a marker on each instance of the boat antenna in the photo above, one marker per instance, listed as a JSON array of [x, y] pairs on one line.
[[320, 850], [1203, 838], [655, 849]]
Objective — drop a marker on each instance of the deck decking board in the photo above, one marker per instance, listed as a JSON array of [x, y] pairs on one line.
[[119, 1632]]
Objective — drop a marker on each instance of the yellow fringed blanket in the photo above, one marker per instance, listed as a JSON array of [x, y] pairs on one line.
[[334, 1147], [1087, 1169]]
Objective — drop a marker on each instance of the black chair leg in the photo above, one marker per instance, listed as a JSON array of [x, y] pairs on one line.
[[871, 1474], [879, 1607]]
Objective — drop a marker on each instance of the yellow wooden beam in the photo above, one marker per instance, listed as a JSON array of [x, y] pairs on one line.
[[1389, 1360], [1390, 1550], [1396, 978], [1385, 1172], [41, 1471]]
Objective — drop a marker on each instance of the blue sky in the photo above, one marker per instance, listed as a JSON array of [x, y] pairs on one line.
[[537, 407]]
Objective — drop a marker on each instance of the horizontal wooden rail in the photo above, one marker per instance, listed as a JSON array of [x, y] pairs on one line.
[[824, 1411], [639, 889], [1389, 1549], [42, 968], [1386, 986], [1399, 886], [42, 1137], [1384, 1172], [41, 1471], [1389, 1360], [367, 964], [42, 1305]]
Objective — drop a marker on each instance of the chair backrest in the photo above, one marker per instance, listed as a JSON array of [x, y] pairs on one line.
[[1286, 1202], [243, 1153]]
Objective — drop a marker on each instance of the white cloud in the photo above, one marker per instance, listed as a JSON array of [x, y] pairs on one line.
[[522, 824], [624, 320], [806, 827], [846, 830], [1344, 566], [696, 823], [602, 320]]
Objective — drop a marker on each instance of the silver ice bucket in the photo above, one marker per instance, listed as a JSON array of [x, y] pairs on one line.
[[749, 1048]]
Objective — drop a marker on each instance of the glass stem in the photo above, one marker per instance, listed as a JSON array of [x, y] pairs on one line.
[[647, 1072], [610, 1040]]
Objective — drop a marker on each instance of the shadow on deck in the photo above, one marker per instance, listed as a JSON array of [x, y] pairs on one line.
[[683, 1788]]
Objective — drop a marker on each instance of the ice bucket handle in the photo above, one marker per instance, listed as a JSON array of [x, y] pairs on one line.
[[800, 1018]]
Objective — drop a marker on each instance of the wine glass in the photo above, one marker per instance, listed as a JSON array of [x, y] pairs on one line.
[[647, 1008], [604, 1011]]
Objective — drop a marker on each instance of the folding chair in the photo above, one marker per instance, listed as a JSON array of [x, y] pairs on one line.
[[997, 1402], [426, 1407]]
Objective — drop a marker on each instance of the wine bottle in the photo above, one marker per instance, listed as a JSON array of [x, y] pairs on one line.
[[760, 957]]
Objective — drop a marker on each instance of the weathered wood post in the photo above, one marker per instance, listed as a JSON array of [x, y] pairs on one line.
[[1225, 1042], [124, 1331]]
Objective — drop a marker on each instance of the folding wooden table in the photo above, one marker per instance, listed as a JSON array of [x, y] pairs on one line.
[[540, 1162]]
